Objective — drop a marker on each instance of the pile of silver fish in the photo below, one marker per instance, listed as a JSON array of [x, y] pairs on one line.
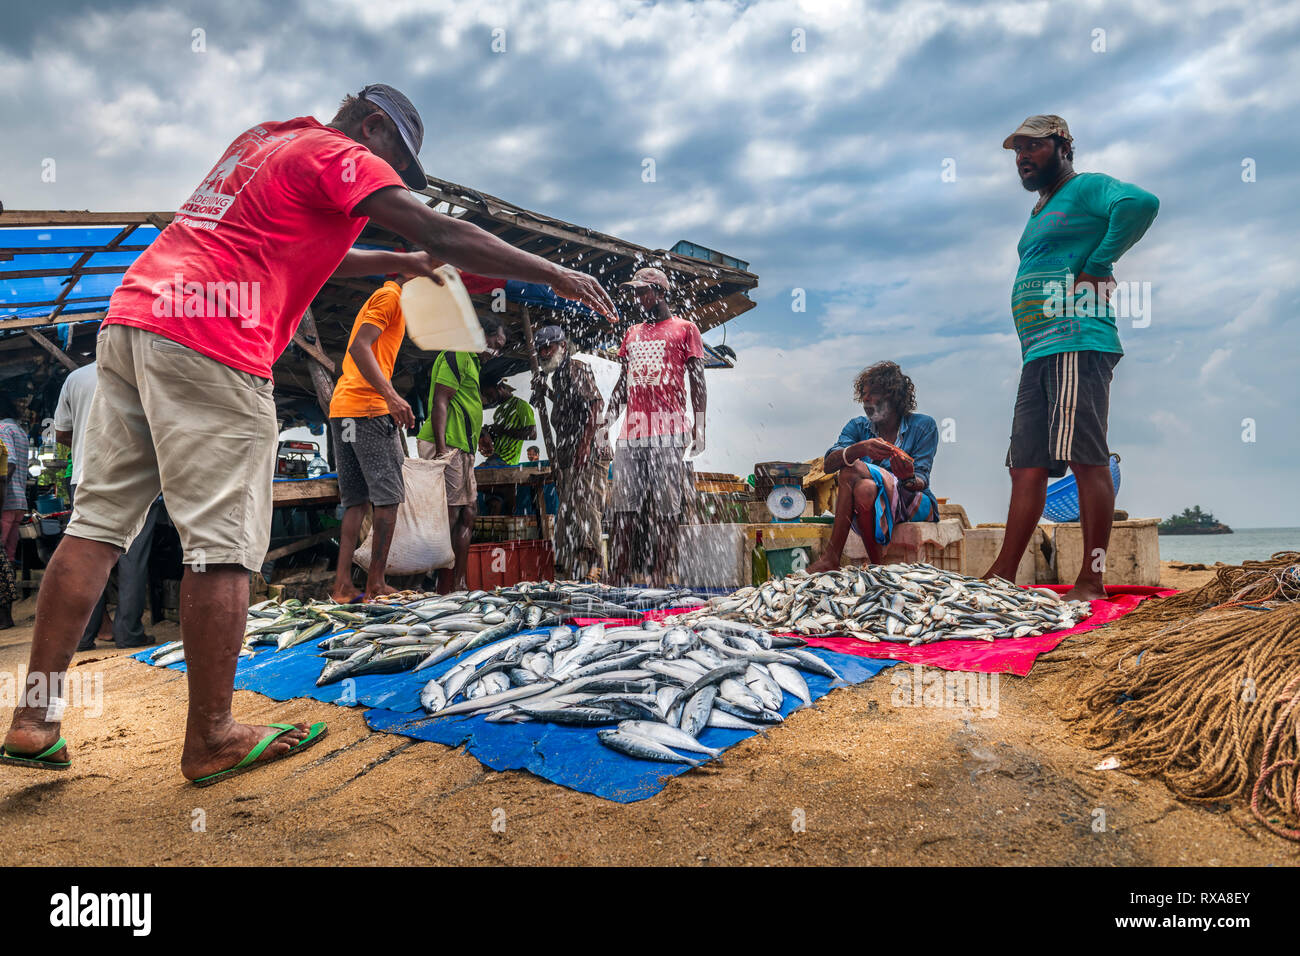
[[652, 688], [649, 688], [421, 622], [588, 599], [908, 604], [395, 637]]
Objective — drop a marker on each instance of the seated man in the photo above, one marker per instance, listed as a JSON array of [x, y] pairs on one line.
[[883, 459]]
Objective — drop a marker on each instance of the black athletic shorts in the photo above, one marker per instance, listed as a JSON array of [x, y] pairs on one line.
[[368, 454], [1061, 411]]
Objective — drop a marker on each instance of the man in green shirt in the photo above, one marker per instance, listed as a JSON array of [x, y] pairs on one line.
[[1069, 340], [451, 432], [513, 423]]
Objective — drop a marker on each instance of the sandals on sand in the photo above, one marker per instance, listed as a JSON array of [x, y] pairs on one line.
[[40, 761], [250, 761]]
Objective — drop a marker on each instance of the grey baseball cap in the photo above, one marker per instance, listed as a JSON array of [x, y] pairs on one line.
[[407, 119], [548, 335]]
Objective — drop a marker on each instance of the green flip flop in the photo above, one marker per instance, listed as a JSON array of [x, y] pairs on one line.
[[40, 761], [250, 761]]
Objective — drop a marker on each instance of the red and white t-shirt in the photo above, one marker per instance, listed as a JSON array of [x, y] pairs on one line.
[[232, 274], [656, 354]]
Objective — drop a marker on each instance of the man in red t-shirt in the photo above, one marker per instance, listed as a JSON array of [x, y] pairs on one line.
[[184, 399], [650, 473]]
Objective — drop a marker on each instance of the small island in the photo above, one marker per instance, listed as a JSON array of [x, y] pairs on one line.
[[1193, 521]]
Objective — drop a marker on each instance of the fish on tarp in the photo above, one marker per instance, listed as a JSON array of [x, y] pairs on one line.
[[643, 748]]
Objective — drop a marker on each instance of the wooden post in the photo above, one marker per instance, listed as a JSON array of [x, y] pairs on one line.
[[532, 361], [543, 519], [320, 378]]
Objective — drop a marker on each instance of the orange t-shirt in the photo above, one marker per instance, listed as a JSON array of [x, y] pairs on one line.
[[354, 397]]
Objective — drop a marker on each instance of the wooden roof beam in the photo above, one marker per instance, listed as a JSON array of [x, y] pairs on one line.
[[53, 349], [12, 251], [48, 217], [37, 321], [51, 273]]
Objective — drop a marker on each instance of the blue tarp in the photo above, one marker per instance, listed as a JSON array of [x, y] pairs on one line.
[[92, 292], [573, 756], [534, 293], [570, 756]]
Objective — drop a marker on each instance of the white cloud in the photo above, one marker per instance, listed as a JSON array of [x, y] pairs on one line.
[[820, 168], [1213, 367]]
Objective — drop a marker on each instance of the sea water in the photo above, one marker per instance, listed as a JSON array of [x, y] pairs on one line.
[[1244, 544]]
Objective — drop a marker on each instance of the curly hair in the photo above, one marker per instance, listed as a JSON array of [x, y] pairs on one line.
[[888, 379]]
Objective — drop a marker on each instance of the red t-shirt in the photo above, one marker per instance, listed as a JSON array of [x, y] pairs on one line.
[[656, 354], [234, 271]]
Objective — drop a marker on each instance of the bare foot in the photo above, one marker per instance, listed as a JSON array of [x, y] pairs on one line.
[[1085, 591], [822, 565], [345, 596], [380, 590], [31, 737], [231, 745]]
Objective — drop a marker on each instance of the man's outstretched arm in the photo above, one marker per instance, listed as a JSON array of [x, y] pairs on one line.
[[468, 247]]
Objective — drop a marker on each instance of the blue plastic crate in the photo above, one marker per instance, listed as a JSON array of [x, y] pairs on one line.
[[1063, 497]]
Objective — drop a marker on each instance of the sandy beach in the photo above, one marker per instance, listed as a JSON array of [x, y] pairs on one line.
[[872, 784]]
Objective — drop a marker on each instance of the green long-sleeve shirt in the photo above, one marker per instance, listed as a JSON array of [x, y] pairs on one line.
[[1091, 221]]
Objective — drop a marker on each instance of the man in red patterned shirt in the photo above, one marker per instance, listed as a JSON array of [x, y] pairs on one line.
[[651, 479]]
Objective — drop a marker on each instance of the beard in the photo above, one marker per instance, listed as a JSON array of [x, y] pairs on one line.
[[554, 362], [876, 413], [1044, 176]]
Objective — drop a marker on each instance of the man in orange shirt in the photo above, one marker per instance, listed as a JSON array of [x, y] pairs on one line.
[[366, 421]]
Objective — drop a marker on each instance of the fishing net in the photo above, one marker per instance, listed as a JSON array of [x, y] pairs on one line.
[[1203, 689]]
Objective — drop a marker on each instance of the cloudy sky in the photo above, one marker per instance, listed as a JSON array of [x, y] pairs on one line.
[[810, 140]]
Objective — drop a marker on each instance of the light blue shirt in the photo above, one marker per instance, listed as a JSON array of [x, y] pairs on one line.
[[918, 435]]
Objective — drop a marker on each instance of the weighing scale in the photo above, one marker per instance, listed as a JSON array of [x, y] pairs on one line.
[[786, 501]]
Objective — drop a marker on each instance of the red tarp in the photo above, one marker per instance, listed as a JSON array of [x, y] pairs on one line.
[[1013, 655]]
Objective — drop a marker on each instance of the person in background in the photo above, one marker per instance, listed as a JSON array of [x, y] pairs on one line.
[[367, 419], [534, 454], [502, 442], [185, 398], [659, 355], [13, 503], [577, 418], [127, 627], [513, 423], [1069, 340], [8, 582], [883, 458], [451, 432]]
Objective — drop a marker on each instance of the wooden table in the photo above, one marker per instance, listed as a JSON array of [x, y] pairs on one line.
[[535, 476], [303, 493], [308, 491]]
